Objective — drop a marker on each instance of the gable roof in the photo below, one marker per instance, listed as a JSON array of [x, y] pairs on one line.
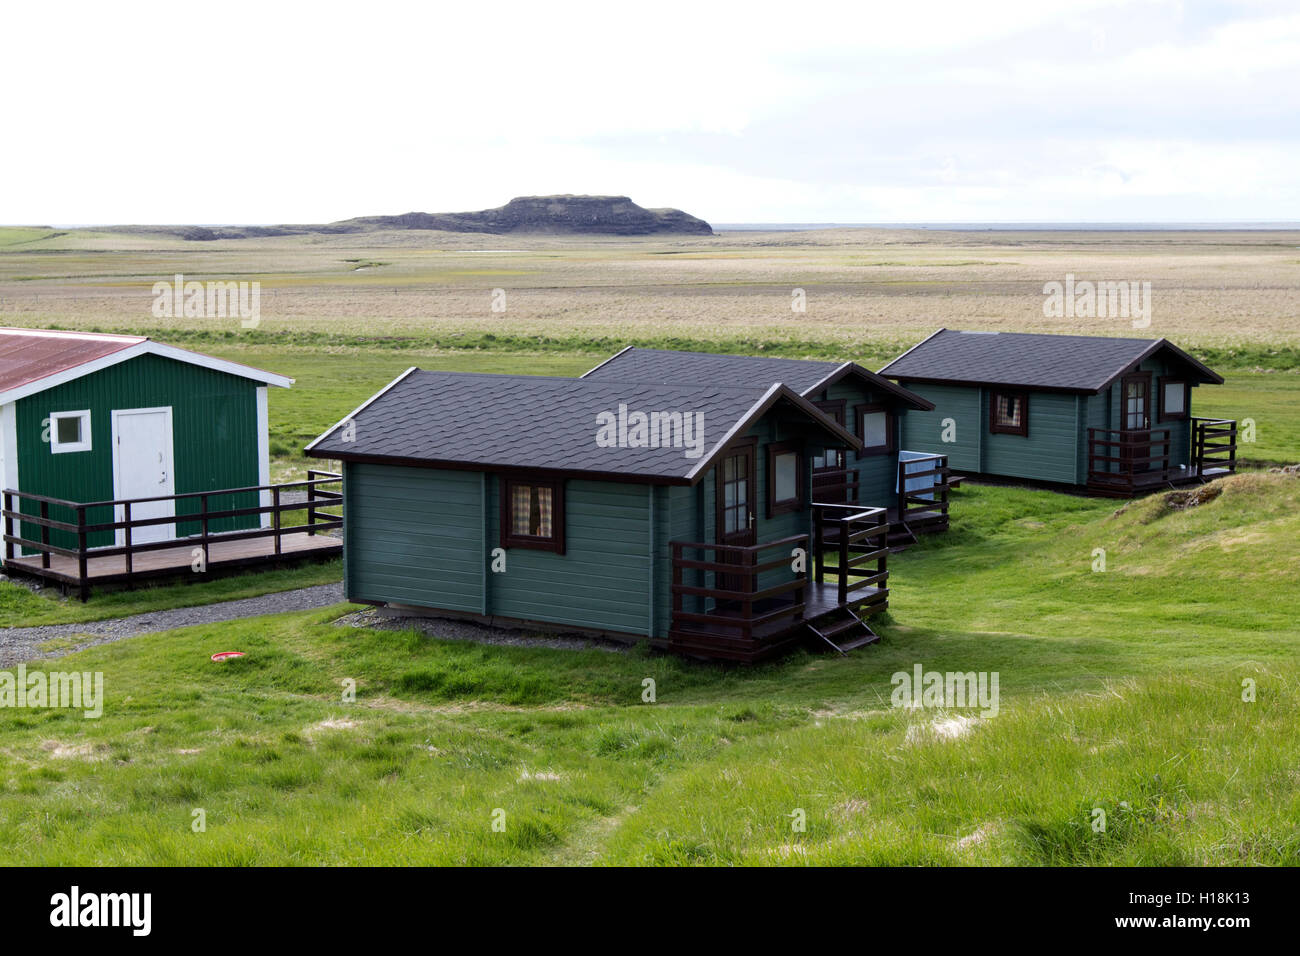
[[484, 422], [805, 376], [33, 360], [1063, 363]]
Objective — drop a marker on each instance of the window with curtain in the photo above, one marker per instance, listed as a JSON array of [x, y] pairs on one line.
[[532, 514]]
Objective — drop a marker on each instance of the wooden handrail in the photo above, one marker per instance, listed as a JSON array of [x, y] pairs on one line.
[[317, 498]]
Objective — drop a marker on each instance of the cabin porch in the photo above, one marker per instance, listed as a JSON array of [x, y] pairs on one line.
[[751, 602], [1126, 462], [917, 505]]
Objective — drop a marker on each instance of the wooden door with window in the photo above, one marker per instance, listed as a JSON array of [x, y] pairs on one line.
[[1136, 421], [737, 493]]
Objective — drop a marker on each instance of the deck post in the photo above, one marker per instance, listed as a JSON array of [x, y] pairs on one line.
[[9, 526], [126, 537], [203, 518], [81, 553], [311, 501], [819, 542], [275, 500], [45, 534], [846, 527]]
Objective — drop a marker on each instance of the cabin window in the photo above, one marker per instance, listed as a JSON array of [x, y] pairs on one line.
[[69, 431], [532, 514], [875, 426], [1009, 413], [1173, 400], [784, 478]]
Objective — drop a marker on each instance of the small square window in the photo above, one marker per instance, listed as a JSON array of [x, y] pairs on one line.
[[1009, 413], [875, 427], [1173, 399], [69, 431], [784, 478], [532, 514]]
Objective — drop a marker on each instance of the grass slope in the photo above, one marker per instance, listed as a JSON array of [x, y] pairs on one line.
[[1121, 692]]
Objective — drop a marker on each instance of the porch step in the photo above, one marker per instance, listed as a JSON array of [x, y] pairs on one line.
[[844, 631]]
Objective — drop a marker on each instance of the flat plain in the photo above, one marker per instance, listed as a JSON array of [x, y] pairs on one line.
[[1162, 692]]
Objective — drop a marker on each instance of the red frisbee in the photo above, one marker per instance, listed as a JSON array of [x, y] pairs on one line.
[[227, 655]]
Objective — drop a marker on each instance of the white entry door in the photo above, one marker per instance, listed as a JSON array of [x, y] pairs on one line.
[[142, 468]]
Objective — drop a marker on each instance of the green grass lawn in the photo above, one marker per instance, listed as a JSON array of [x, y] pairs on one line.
[[1121, 691]]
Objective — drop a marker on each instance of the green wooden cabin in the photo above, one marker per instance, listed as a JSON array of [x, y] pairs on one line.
[[1110, 414], [885, 472], [88, 417], [679, 513]]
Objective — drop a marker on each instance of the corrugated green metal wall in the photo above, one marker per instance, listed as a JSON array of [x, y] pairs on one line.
[[214, 438]]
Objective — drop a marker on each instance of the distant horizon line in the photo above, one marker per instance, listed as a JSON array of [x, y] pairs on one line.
[[806, 225]]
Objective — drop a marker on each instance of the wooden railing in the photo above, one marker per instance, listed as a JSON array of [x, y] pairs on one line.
[[71, 520], [1214, 444], [837, 485], [858, 536], [739, 604], [1127, 457], [930, 501]]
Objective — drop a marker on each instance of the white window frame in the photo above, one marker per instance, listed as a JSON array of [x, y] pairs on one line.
[[60, 448]]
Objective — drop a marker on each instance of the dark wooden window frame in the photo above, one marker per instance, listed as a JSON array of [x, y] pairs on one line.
[[997, 428], [555, 542], [786, 505], [1186, 413], [860, 412], [834, 409]]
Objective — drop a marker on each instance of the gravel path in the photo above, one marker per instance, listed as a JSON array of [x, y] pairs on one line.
[[23, 643]]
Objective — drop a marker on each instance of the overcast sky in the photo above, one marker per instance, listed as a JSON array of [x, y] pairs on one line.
[[739, 112]]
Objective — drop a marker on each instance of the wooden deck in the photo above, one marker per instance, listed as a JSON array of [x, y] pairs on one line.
[[719, 639], [179, 558], [64, 541], [1126, 486], [728, 603]]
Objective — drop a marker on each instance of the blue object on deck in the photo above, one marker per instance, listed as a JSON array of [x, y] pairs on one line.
[[918, 461]]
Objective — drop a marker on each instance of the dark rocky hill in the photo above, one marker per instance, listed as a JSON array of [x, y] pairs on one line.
[[547, 215]]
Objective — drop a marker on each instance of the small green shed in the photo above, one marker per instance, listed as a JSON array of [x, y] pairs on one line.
[[92, 417], [1111, 414]]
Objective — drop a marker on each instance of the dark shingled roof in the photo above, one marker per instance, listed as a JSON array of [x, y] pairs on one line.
[[470, 420], [802, 375], [1072, 363]]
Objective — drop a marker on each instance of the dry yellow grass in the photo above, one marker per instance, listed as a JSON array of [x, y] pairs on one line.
[[888, 287]]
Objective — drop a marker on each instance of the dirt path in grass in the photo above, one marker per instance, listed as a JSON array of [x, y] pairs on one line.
[[54, 640]]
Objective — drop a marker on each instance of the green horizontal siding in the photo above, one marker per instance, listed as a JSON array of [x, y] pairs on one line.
[[414, 536], [924, 431], [1048, 452], [603, 579]]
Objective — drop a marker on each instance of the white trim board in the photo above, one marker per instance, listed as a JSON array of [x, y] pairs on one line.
[[264, 454]]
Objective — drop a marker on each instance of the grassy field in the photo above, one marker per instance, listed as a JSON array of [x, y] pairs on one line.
[[1229, 295], [1121, 691]]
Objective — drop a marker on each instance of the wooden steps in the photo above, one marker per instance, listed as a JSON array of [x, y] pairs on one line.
[[844, 631]]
